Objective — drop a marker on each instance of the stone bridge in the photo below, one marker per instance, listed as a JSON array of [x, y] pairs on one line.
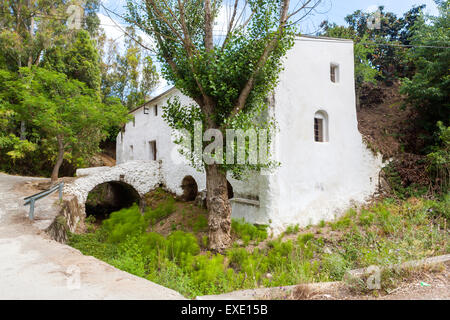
[[141, 176]]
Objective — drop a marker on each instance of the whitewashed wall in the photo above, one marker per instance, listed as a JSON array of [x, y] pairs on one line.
[[318, 180], [148, 127]]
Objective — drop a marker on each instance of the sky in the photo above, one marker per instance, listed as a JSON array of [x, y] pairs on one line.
[[331, 10]]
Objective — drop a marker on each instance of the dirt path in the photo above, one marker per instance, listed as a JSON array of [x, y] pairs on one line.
[[32, 266], [431, 284]]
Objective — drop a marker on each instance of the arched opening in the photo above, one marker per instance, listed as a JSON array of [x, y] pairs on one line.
[[109, 197], [230, 190], [190, 188], [321, 126]]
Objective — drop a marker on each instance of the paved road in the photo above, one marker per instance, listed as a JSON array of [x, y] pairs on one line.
[[32, 266]]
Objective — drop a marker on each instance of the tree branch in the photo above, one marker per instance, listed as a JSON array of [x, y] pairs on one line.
[[240, 103]]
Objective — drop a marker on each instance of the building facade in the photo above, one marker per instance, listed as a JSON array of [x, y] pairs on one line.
[[325, 165]]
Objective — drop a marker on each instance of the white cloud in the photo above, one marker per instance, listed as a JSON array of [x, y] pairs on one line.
[[110, 27]]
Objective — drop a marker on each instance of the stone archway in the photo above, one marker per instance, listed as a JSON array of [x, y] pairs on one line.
[[140, 176], [190, 188], [108, 197]]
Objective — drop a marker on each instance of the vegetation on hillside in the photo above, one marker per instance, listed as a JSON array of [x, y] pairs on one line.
[[389, 232], [63, 90]]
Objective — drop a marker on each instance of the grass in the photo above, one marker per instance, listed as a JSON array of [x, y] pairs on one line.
[[392, 231]]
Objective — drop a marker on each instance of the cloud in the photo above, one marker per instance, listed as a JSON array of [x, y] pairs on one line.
[[112, 31]]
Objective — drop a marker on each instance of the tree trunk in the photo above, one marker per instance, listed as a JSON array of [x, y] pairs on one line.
[[23, 129], [219, 209], [59, 161]]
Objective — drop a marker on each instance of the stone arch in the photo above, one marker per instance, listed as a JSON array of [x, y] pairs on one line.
[[190, 188], [110, 196], [141, 176]]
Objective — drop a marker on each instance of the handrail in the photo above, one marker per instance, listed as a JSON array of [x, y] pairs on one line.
[[32, 199]]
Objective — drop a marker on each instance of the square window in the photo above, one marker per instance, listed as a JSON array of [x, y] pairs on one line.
[[152, 147], [334, 73]]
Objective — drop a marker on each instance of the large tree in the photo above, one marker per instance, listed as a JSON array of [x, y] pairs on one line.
[[392, 30], [229, 73], [130, 76], [428, 90], [71, 117]]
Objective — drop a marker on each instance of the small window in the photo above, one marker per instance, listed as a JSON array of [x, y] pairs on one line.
[[318, 130], [320, 127], [152, 147], [131, 152], [134, 121], [334, 73], [156, 110]]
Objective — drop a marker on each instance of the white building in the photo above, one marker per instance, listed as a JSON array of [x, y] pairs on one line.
[[325, 166]]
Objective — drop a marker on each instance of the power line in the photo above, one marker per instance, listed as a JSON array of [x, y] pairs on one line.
[[324, 39], [223, 33]]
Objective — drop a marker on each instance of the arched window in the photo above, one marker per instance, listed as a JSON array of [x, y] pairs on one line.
[[321, 126]]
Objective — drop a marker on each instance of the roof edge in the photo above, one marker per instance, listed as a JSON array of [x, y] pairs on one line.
[[323, 38], [153, 99]]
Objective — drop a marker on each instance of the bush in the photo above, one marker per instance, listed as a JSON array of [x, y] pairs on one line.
[[180, 245], [292, 229], [247, 231], [125, 222], [335, 265], [163, 210], [201, 224]]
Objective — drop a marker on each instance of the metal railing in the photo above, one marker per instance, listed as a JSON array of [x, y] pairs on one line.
[[32, 199]]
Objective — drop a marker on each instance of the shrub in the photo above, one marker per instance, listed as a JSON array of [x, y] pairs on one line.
[[247, 231], [335, 265], [163, 210], [292, 229], [125, 222], [201, 224], [366, 218], [181, 244]]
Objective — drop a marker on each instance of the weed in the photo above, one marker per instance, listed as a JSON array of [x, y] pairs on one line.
[[292, 229]]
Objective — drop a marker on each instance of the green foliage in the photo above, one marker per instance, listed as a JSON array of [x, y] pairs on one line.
[[335, 265], [162, 211], [78, 59], [292, 229], [201, 224], [128, 221], [365, 70], [248, 232], [214, 77], [399, 189], [44, 107], [439, 159], [132, 76], [386, 233], [428, 89]]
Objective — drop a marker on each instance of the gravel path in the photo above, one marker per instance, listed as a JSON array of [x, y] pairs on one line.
[[32, 266]]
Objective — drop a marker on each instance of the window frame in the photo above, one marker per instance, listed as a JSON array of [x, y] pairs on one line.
[[153, 150], [323, 136], [334, 72]]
